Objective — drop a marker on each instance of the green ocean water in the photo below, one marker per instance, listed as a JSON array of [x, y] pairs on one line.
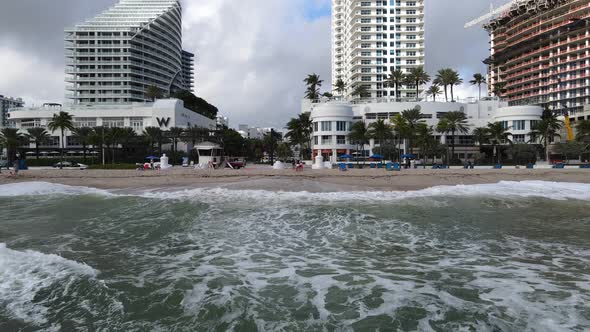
[[476, 258]]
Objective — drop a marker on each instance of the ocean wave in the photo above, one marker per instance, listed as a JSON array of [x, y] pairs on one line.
[[46, 188], [23, 274], [524, 189]]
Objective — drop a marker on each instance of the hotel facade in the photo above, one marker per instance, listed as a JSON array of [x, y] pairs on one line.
[[371, 38], [114, 57], [540, 54]]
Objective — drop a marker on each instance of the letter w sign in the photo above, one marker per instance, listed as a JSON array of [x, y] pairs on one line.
[[163, 122]]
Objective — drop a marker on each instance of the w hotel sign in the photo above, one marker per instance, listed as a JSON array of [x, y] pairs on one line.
[[163, 122]]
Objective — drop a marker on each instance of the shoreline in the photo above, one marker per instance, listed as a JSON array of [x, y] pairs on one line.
[[289, 180]]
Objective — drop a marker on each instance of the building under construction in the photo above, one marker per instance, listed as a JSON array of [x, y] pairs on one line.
[[540, 54]]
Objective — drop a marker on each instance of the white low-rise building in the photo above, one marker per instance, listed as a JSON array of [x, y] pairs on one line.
[[332, 122], [164, 114]]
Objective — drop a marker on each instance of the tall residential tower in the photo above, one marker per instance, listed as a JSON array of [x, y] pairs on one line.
[[371, 38], [115, 56]]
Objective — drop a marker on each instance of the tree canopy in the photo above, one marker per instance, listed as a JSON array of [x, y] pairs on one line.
[[196, 104]]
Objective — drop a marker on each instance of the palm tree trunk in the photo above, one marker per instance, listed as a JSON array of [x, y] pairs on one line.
[[37, 149], [479, 87], [84, 151], [446, 94], [452, 94], [453, 143], [417, 90]]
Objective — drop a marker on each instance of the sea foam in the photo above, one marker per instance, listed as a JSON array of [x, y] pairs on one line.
[[23, 274], [525, 189]]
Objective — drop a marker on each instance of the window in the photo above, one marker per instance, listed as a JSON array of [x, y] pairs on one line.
[[315, 127], [137, 124], [518, 125], [85, 122], [113, 123], [316, 140], [30, 123], [341, 126], [518, 138], [504, 124], [341, 140], [326, 126], [326, 140]]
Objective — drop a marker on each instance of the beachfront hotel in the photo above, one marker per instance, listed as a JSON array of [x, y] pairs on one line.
[[370, 38], [114, 57], [540, 54], [332, 121]]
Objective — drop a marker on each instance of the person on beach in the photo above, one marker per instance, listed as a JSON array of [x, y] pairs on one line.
[[15, 165]]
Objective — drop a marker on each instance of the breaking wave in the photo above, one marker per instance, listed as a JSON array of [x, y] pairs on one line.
[[24, 274], [524, 189]]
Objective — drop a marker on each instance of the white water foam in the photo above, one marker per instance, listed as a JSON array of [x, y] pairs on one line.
[[24, 274], [45, 188], [524, 189]]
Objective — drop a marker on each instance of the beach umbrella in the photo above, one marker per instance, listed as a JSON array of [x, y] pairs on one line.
[[376, 156], [409, 156], [30, 153], [152, 157], [346, 156], [72, 152], [54, 152], [44, 152]]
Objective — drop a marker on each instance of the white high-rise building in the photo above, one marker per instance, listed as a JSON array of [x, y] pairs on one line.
[[114, 57], [370, 38]]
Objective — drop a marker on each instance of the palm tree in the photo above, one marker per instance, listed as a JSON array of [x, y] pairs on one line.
[[193, 135], [418, 76], [381, 131], [497, 135], [545, 131], [61, 122], [443, 77], [455, 80], [360, 90], [478, 79], [112, 138], [402, 130], [11, 139], [126, 137], [453, 122], [395, 80], [175, 133], [583, 130], [359, 134], [424, 139], [413, 118], [153, 92], [433, 91], [340, 86], [314, 83], [96, 139], [84, 137], [499, 88], [480, 135], [153, 136], [38, 136], [300, 132]]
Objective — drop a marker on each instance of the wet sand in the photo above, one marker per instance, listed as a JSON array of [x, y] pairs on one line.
[[289, 180]]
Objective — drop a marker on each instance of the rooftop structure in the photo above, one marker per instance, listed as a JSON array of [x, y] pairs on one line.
[[540, 54], [370, 38], [115, 56]]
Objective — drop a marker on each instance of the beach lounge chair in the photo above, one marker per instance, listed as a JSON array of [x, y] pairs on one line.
[[435, 166], [373, 165], [559, 166], [444, 167], [389, 166], [342, 167], [498, 166], [350, 165], [585, 166], [397, 167], [530, 166], [380, 165]]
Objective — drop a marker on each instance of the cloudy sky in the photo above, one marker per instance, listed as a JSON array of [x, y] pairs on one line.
[[252, 55]]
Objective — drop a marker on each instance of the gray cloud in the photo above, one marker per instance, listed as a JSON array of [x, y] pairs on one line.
[[251, 55]]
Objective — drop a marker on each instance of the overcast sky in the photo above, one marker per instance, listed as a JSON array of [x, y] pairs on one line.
[[252, 55]]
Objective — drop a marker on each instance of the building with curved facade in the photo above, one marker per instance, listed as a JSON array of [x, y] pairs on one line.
[[332, 122], [370, 38], [114, 57]]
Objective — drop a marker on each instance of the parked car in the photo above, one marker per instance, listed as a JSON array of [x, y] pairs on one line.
[[70, 165]]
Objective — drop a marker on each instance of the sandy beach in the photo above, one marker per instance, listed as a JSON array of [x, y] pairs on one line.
[[289, 180]]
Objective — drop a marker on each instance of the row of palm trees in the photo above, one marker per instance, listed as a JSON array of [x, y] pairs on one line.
[[447, 78], [100, 137]]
